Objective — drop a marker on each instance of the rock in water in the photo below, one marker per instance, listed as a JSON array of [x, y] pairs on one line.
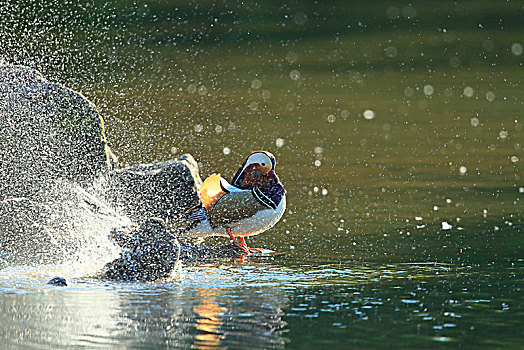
[[150, 252], [47, 131], [164, 190], [52, 147], [58, 281]]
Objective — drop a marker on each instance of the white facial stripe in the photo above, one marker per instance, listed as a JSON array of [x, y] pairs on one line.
[[258, 158]]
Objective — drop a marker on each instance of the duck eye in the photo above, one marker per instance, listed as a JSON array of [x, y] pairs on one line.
[[263, 164]]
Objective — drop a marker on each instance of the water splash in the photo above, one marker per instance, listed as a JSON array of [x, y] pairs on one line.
[[68, 228]]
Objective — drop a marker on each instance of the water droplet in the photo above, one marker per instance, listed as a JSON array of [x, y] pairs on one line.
[[198, 127], [516, 49], [219, 129], [475, 121], [253, 106], [391, 51], [324, 192], [448, 200], [428, 90], [409, 12], [468, 91], [463, 170], [454, 62], [521, 189], [226, 151], [265, 94], [490, 96], [369, 114], [191, 88], [279, 142], [344, 114], [315, 189], [409, 92], [318, 163], [446, 225], [256, 84], [202, 90], [488, 45], [435, 208], [503, 134], [174, 150], [294, 74], [300, 18], [318, 150], [291, 57], [392, 12], [331, 118], [514, 159]]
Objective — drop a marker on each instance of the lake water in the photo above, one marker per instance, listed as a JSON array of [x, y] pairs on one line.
[[398, 132]]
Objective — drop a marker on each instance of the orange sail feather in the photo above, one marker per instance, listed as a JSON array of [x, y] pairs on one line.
[[211, 191]]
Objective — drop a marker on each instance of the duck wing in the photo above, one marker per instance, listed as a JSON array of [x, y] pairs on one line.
[[212, 189], [236, 206]]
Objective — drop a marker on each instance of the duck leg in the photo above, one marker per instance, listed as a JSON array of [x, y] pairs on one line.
[[242, 244], [231, 236]]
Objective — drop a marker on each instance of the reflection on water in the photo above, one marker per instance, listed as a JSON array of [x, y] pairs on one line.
[[208, 321], [270, 304]]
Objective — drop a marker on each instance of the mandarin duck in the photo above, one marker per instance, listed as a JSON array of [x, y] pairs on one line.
[[253, 202]]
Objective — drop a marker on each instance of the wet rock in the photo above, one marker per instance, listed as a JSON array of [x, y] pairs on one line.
[[58, 281], [149, 252], [164, 190], [48, 131]]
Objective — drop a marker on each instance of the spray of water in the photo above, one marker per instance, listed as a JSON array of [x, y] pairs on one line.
[[68, 231], [52, 149]]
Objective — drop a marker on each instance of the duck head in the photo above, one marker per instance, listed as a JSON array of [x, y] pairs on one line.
[[257, 170]]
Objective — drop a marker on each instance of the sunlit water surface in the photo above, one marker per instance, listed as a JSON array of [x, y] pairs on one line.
[[268, 304]]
